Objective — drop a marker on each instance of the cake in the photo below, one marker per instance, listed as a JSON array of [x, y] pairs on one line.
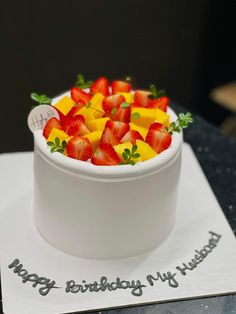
[[110, 207]]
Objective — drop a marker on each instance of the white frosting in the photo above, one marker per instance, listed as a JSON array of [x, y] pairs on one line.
[[105, 212]]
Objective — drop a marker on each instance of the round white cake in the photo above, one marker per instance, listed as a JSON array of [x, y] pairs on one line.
[[102, 212]]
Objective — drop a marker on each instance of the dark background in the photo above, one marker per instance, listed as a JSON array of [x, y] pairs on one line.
[[185, 47]]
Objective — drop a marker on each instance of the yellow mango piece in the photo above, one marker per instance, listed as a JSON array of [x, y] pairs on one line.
[[97, 100], [64, 105], [143, 116], [128, 97], [162, 117], [97, 124], [94, 138], [58, 133], [87, 113], [145, 150], [141, 130], [121, 147]]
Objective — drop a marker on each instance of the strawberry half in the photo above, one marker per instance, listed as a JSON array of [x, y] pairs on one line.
[[79, 148], [105, 155], [118, 128], [141, 97], [52, 123], [122, 115], [75, 126], [78, 95], [161, 103], [75, 109], [101, 85], [157, 138], [120, 87], [108, 137], [131, 136], [111, 102]]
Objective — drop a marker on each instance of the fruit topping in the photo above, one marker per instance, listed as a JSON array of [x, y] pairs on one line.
[[78, 95], [79, 148], [120, 86], [105, 155], [157, 138], [101, 85], [52, 123]]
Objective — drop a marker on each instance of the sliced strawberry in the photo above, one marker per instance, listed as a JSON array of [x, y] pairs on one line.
[[122, 114], [75, 126], [120, 87], [79, 148], [118, 128], [158, 139], [111, 102], [135, 104], [109, 137], [75, 109], [52, 123], [131, 136], [78, 95], [141, 97], [161, 103], [101, 85], [105, 155]]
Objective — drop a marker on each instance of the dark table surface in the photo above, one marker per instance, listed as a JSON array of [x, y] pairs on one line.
[[216, 153]]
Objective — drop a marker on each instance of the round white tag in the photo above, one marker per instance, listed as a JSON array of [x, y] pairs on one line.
[[40, 115]]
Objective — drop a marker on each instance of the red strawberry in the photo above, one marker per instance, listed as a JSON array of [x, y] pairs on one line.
[[120, 86], [75, 109], [78, 95], [122, 114], [161, 103], [109, 137], [131, 136], [111, 102], [101, 85], [105, 155], [118, 128], [75, 126], [158, 139], [52, 123], [79, 148], [135, 104], [141, 97]]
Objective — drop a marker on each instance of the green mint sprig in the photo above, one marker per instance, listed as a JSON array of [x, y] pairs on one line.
[[81, 83], [41, 99], [135, 115], [129, 156], [182, 122], [124, 105], [57, 147], [155, 93]]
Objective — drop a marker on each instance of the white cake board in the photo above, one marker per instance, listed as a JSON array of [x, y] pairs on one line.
[[198, 213]]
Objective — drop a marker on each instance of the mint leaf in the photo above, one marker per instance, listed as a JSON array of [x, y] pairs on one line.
[[41, 99], [135, 115], [114, 111], [81, 83], [182, 122], [124, 105], [155, 93]]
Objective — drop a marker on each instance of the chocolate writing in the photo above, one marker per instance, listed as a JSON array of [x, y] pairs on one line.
[[135, 286], [169, 277], [46, 284], [200, 254]]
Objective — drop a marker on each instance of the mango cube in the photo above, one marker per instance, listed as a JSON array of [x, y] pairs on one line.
[[162, 117], [128, 97], [64, 105], [145, 150], [120, 148], [143, 116], [96, 101], [87, 113], [58, 133], [141, 130], [94, 138], [97, 124]]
